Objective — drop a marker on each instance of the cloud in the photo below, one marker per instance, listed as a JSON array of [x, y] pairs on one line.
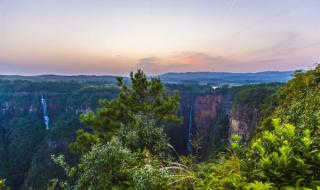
[[198, 58], [155, 65], [148, 61], [182, 62]]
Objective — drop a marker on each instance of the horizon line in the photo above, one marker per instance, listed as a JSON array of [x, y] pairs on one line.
[[169, 72]]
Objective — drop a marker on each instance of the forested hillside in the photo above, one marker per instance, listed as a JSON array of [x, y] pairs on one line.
[[25, 143], [145, 135], [26, 146]]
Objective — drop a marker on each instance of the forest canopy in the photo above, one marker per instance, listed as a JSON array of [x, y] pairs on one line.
[[134, 153], [123, 143]]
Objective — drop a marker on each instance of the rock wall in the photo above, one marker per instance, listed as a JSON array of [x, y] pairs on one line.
[[243, 121], [178, 135], [205, 113], [212, 119], [21, 121], [216, 119]]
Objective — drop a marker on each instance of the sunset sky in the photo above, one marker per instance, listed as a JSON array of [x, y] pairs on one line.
[[118, 36]]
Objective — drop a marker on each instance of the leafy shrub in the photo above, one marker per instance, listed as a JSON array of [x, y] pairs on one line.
[[113, 166], [145, 135], [283, 156], [222, 174], [2, 182]]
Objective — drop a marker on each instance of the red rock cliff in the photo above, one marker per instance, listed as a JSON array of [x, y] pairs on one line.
[[205, 112]]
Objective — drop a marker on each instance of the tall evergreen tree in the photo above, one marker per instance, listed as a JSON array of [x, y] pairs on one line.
[[144, 98], [126, 147]]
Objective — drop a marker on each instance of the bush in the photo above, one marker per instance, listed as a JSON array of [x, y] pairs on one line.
[[113, 166], [284, 156]]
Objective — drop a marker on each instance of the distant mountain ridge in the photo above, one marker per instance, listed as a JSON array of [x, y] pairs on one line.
[[172, 77], [62, 78], [231, 73], [227, 78]]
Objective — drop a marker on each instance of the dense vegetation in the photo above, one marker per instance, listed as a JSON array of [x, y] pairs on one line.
[[25, 145], [216, 78], [284, 154], [255, 95], [29, 165], [127, 149], [125, 146]]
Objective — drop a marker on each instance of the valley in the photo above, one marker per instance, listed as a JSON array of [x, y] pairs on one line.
[[40, 119]]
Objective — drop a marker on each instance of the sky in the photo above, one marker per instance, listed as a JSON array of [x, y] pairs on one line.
[[118, 36]]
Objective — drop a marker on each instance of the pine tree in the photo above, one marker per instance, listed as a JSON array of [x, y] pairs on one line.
[[141, 98]]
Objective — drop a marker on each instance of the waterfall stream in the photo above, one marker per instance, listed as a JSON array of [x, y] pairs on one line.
[[45, 112], [190, 131]]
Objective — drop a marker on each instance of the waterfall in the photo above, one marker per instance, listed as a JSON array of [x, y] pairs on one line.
[[190, 131], [45, 112]]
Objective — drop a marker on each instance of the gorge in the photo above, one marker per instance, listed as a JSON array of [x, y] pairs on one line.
[[209, 114]]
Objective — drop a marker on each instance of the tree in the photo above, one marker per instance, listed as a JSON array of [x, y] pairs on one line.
[[2, 184], [284, 154], [288, 152], [126, 147], [113, 166], [143, 98]]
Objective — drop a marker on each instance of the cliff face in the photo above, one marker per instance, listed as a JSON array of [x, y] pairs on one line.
[[178, 135], [25, 144], [206, 115], [243, 121], [216, 119], [251, 104], [206, 109], [200, 113], [211, 123]]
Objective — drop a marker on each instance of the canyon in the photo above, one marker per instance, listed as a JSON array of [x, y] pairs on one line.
[[28, 138]]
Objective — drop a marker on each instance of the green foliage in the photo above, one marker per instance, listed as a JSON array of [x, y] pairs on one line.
[[218, 134], [300, 100], [257, 185], [147, 98], [2, 184], [151, 175], [222, 174], [113, 160], [286, 157], [283, 156], [21, 153], [145, 135], [25, 145], [261, 99], [254, 95], [56, 142], [113, 166], [126, 147], [225, 172]]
